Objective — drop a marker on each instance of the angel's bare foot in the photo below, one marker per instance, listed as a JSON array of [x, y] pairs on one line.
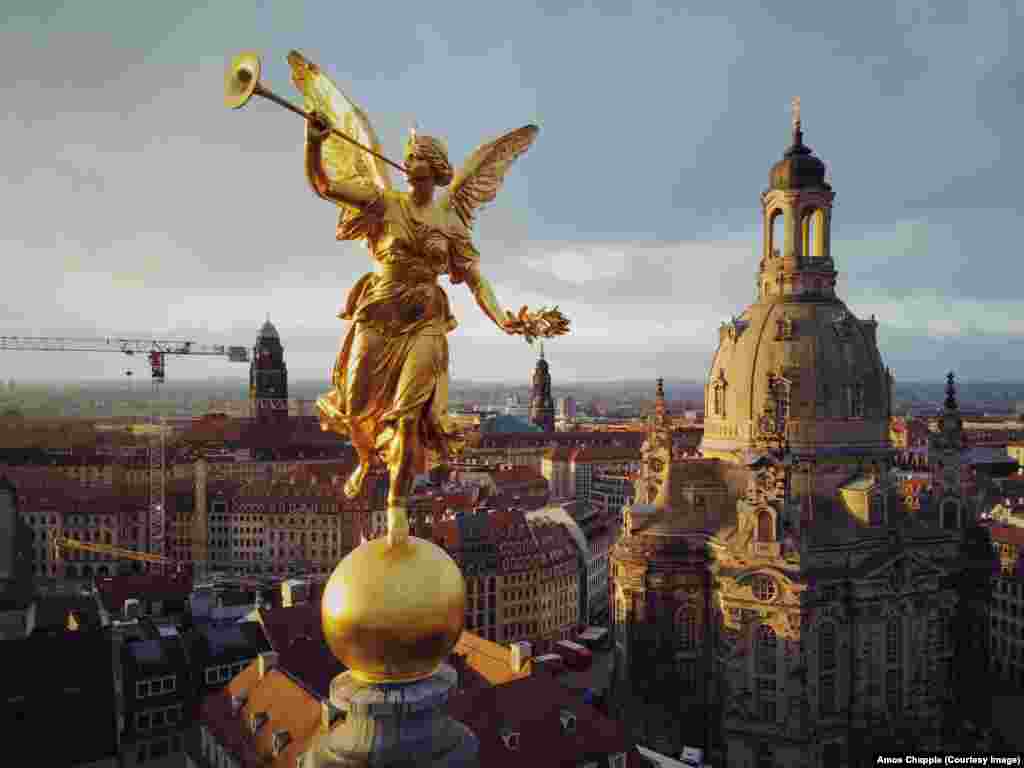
[[356, 481]]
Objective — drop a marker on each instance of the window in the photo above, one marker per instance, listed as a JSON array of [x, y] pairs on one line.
[[893, 641], [894, 691], [827, 693], [766, 648], [684, 627], [687, 677], [141, 689], [764, 587], [617, 760], [142, 721], [766, 699], [827, 646], [765, 757], [857, 401]]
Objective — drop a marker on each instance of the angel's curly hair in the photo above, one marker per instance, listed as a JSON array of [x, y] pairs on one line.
[[435, 153]]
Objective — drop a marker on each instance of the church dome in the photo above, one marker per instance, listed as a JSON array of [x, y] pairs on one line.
[[799, 168], [797, 370]]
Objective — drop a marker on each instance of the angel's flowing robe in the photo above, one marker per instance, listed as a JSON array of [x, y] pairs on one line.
[[394, 358]]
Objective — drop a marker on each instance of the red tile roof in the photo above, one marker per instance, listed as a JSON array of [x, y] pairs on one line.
[[481, 662], [114, 590], [531, 706], [288, 706]]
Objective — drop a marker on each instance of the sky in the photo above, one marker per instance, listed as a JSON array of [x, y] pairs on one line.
[[136, 204]]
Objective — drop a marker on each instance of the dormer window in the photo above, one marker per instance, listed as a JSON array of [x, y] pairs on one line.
[[281, 740], [510, 739], [257, 721], [568, 720]]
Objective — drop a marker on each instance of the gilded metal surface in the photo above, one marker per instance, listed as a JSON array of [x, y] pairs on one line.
[[390, 379], [392, 613], [393, 609], [241, 79]]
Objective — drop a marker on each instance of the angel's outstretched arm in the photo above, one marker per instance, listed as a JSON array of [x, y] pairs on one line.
[[485, 298], [337, 191]]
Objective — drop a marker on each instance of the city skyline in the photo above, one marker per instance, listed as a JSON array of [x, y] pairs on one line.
[[133, 221]]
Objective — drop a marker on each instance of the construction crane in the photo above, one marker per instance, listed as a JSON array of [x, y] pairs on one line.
[[156, 350], [61, 542]]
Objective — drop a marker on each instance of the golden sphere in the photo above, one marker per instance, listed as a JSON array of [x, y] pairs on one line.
[[393, 613]]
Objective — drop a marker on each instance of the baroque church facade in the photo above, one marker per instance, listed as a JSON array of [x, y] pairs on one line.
[[774, 600]]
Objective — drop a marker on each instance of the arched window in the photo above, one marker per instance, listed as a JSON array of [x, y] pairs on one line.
[[776, 234], [685, 628], [813, 233], [765, 526], [767, 643]]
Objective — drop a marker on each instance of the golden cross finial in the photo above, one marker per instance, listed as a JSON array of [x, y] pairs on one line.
[[796, 112]]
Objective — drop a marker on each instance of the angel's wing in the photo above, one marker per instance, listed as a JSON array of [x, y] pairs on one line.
[[342, 161], [481, 176]]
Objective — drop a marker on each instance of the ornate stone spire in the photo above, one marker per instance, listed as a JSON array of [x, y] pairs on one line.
[[951, 404], [542, 406], [660, 410]]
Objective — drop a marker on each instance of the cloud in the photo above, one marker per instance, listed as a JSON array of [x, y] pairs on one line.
[[139, 205]]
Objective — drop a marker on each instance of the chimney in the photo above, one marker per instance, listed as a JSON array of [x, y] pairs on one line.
[[521, 653], [267, 662], [280, 741]]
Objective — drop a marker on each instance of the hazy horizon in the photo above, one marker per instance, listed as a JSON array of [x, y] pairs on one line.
[[140, 206]]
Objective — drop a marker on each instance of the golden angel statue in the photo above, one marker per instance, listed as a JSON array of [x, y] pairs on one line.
[[390, 381]]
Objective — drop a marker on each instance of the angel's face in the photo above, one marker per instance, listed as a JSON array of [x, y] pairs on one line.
[[418, 170]]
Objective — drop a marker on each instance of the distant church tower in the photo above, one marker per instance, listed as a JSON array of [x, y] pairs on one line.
[[542, 407], [268, 376], [944, 458]]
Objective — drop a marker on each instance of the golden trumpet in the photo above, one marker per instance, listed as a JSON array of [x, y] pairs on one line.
[[242, 82]]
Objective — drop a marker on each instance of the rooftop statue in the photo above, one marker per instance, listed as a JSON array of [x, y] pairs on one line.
[[390, 379], [394, 608]]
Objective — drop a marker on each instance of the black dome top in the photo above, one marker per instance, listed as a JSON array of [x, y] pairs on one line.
[[799, 168]]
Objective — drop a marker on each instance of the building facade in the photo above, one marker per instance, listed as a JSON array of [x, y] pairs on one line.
[[774, 598], [522, 576]]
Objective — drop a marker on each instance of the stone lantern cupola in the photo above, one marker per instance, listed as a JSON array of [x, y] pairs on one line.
[[797, 219]]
